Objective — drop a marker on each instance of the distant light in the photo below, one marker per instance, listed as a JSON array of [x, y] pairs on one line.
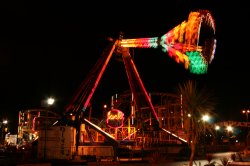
[[5, 122], [246, 111], [205, 118], [229, 128], [217, 127], [189, 115], [50, 101]]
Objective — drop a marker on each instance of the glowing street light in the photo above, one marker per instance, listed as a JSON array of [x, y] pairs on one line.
[[50, 101], [217, 128], [229, 128], [104, 110], [4, 130], [5, 122], [246, 112], [205, 118]]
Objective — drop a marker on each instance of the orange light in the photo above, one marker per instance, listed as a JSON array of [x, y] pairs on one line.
[[115, 118]]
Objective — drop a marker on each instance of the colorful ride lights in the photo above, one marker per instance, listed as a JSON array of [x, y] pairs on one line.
[[191, 43]]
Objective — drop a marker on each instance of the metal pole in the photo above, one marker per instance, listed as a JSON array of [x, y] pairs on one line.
[[45, 135], [247, 112], [204, 139], [1, 127], [247, 136]]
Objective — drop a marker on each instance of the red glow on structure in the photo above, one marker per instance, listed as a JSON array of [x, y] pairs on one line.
[[115, 118]]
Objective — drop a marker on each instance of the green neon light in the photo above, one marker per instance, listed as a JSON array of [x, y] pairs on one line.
[[197, 65]]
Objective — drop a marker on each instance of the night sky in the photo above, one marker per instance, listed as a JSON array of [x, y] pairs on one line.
[[47, 49]]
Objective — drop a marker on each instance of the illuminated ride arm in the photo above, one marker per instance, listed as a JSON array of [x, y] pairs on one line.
[[191, 43]]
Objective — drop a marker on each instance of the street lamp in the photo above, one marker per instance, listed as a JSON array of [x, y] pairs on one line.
[[217, 128], [4, 130], [246, 112], [5, 122], [50, 102], [105, 110], [205, 119], [229, 128]]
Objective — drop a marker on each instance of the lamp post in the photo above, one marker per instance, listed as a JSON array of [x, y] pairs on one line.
[[229, 132], [246, 112], [3, 130], [217, 128], [205, 118], [50, 102], [105, 111]]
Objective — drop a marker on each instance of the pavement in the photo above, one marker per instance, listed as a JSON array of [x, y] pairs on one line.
[[243, 160]]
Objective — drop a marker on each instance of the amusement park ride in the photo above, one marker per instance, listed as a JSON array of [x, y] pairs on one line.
[[191, 43]]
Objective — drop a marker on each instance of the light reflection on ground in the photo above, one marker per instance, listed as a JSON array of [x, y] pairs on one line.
[[217, 157]]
